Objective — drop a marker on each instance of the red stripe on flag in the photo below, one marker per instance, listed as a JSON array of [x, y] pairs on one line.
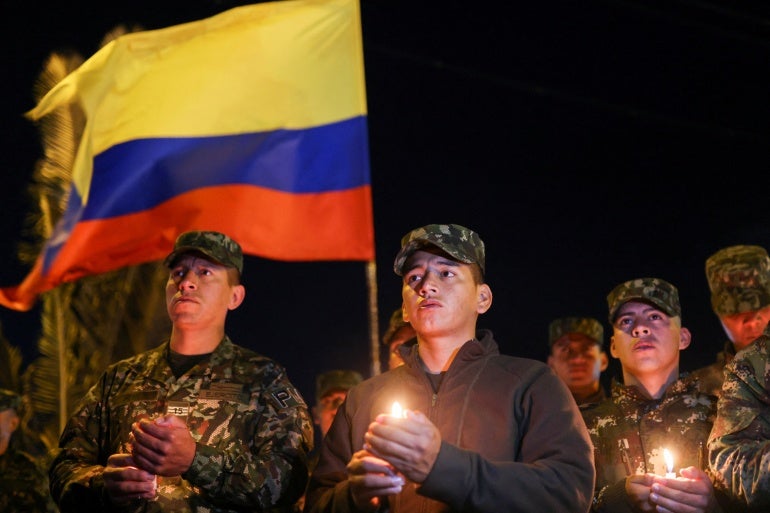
[[267, 223]]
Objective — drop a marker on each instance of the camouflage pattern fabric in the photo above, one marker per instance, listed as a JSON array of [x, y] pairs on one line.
[[710, 377], [630, 432], [586, 325], [252, 428], [214, 245], [655, 291], [739, 279], [597, 397], [23, 484], [739, 445], [338, 379], [459, 242]]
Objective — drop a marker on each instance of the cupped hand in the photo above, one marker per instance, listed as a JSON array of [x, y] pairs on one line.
[[163, 446], [125, 482], [693, 492], [411, 444], [638, 491], [371, 478]]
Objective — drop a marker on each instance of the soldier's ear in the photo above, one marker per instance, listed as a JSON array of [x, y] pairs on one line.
[[484, 300], [613, 351], [237, 295]]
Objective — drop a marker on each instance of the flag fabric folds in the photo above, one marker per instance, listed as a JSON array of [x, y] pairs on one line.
[[251, 122]]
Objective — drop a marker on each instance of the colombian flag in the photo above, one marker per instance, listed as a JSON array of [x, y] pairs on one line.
[[251, 122]]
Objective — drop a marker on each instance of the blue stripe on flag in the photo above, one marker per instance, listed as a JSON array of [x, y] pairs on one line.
[[141, 174]]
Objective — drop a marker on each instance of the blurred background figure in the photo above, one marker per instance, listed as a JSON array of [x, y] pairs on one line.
[[577, 356], [398, 332], [331, 388], [739, 280], [23, 479]]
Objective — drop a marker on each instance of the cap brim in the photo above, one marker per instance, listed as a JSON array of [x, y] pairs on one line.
[[660, 306], [190, 250], [418, 244]]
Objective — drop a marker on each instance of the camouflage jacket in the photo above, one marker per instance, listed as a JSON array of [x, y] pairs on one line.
[[597, 397], [711, 376], [630, 432], [252, 430], [23, 484], [739, 445]]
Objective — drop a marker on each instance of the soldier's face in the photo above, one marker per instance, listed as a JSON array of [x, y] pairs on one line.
[[201, 292], [441, 295], [578, 360], [647, 340], [745, 327], [327, 409], [403, 334]]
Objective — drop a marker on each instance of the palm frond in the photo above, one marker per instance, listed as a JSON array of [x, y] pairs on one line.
[[94, 321], [11, 360], [118, 31], [60, 133]]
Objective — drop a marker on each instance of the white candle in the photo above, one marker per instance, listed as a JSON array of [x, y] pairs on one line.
[[669, 464]]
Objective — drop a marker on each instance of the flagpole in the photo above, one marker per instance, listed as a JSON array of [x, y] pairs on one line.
[[374, 329]]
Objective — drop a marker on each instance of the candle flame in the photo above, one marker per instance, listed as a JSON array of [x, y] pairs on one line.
[[669, 460], [397, 410]]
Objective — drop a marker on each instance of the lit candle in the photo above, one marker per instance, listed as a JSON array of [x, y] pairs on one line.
[[397, 411], [669, 464]]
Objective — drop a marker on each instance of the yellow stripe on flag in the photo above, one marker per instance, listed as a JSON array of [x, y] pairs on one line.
[[286, 64]]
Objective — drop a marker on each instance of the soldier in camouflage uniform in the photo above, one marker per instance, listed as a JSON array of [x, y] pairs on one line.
[[739, 280], [197, 424], [23, 481], [577, 356], [654, 410], [739, 445]]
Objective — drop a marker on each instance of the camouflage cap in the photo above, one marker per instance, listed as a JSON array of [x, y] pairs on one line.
[[655, 291], [215, 246], [9, 399], [588, 326], [335, 380], [462, 244], [739, 279]]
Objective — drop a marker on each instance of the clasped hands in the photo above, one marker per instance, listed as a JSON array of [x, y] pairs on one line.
[[395, 449], [160, 447], [692, 492]]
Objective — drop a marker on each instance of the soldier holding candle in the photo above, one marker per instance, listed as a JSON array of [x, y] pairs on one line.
[[655, 409], [479, 431]]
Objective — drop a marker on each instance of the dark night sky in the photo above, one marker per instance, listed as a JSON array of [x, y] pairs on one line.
[[586, 142]]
